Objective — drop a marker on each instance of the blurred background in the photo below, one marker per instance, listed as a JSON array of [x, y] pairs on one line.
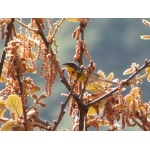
[[113, 45]]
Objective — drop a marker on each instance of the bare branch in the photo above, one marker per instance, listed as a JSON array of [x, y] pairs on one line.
[[9, 29], [56, 29], [63, 105]]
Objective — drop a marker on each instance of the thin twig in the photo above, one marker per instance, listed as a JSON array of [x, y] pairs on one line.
[[143, 128], [63, 105], [75, 96], [82, 45], [81, 105], [43, 36], [25, 26], [80, 61], [125, 83], [9, 29], [44, 123], [42, 126], [48, 45], [41, 33], [84, 87], [56, 29], [83, 112]]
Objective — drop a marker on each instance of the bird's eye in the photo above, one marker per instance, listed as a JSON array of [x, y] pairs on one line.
[[70, 65]]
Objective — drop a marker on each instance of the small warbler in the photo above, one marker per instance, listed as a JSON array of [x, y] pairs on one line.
[[73, 69]]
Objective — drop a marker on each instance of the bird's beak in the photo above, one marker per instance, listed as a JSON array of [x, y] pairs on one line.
[[66, 63]]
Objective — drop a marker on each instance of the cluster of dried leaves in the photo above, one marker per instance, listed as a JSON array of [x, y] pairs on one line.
[[90, 104]]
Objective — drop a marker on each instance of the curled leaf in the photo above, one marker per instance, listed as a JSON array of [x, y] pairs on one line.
[[103, 122], [92, 110], [128, 71], [93, 87], [42, 105], [8, 125], [147, 70], [35, 89], [110, 76], [2, 107], [2, 78], [76, 19], [14, 104], [30, 70], [128, 99], [31, 55], [148, 78], [120, 107], [145, 37], [134, 105], [96, 108], [101, 73], [135, 91], [146, 22]]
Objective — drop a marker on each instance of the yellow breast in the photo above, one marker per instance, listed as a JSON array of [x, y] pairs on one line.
[[74, 73]]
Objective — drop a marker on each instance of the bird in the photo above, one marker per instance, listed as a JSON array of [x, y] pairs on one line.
[[74, 70]]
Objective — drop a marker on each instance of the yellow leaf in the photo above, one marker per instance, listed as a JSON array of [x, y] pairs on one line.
[[93, 87], [96, 108], [148, 78], [128, 99], [32, 42], [134, 105], [110, 76], [35, 89], [145, 37], [2, 78], [128, 71], [147, 70], [103, 122], [2, 108], [8, 125], [2, 111], [21, 36], [120, 107], [135, 65], [101, 73], [135, 91], [14, 104], [76, 19], [5, 64], [30, 70], [91, 111], [31, 55]]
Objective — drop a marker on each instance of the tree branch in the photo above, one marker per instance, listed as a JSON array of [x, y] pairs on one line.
[[56, 29], [63, 105], [9, 29], [75, 96], [43, 124], [25, 26], [41, 33], [125, 83]]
